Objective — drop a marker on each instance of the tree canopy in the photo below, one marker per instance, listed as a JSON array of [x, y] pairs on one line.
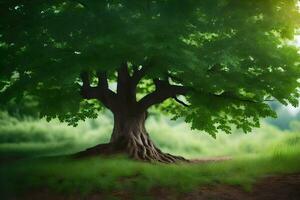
[[215, 63]]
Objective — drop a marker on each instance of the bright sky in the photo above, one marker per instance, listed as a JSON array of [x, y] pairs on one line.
[[290, 108], [294, 111], [298, 40]]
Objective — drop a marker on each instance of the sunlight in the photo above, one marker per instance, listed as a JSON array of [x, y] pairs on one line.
[[292, 110], [297, 40]]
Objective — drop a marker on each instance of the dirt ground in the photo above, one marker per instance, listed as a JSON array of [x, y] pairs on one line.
[[271, 188], [285, 187]]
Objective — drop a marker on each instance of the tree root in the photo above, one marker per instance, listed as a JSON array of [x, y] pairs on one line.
[[143, 149], [134, 141], [99, 150], [141, 153]]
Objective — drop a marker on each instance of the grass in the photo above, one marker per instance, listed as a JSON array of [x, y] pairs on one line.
[[64, 175], [35, 138], [266, 151]]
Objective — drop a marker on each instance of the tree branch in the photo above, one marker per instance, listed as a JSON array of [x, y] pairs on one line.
[[87, 92], [123, 80], [85, 78], [138, 74], [101, 92], [102, 79], [163, 92]]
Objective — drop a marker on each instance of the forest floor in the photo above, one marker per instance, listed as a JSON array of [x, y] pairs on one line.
[[284, 187]]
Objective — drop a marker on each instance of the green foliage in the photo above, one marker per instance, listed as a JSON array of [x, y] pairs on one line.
[[215, 47]]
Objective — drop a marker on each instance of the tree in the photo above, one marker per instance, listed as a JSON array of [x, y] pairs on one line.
[[215, 63]]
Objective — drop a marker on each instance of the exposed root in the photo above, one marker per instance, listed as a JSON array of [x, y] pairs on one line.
[[100, 150], [134, 150], [131, 138], [142, 148]]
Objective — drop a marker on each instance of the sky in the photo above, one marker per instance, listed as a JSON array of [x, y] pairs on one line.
[[297, 40], [290, 108]]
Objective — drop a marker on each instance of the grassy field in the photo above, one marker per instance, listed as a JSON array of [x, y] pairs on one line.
[[35, 138], [266, 151]]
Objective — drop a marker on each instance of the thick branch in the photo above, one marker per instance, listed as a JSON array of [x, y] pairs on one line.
[[87, 92], [85, 78], [138, 74], [101, 92], [123, 80], [163, 92], [126, 90], [102, 80]]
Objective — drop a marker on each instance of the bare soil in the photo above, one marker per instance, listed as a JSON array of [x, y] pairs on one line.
[[284, 187]]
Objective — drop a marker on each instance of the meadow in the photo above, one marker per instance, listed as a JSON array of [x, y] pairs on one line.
[[34, 156]]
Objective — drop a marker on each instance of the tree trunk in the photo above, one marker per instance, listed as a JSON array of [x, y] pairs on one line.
[[129, 134], [130, 137]]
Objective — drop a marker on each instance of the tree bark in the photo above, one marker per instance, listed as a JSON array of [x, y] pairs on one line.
[[131, 138]]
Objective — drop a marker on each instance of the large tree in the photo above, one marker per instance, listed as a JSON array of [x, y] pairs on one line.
[[215, 63]]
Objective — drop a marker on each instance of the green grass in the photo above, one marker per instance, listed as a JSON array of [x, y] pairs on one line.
[[266, 151], [64, 175]]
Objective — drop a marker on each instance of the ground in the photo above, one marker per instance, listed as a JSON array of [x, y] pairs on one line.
[[262, 165], [284, 187], [271, 188]]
